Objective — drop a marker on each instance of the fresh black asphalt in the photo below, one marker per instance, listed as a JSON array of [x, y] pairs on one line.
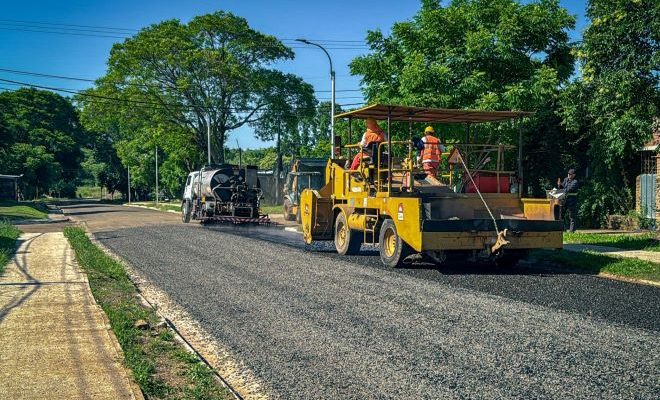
[[311, 324]]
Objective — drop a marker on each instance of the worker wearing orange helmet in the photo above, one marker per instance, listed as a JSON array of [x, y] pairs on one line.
[[372, 135], [430, 154]]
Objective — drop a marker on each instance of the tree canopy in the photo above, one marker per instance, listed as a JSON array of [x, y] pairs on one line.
[[42, 138], [611, 107], [482, 54], [172, 82]]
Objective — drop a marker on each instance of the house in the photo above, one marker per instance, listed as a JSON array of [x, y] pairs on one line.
[[647, 195], [9, 187]]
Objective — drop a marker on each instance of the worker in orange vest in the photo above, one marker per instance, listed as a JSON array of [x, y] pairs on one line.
[[430, 155], [372, 135]]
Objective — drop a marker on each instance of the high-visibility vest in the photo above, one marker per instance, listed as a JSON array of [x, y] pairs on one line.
[[370, 137], [431, 152]]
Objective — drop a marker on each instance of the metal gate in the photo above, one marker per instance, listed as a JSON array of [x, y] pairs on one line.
[[647, 195]]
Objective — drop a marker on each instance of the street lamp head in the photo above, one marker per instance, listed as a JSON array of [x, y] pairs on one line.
[[303, 41]]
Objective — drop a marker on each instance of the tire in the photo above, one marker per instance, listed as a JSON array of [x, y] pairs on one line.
[[347, 241], [185, 212], [287, 210], [511, 258], [393, 250]]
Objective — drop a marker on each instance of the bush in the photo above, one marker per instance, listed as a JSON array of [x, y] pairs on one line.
[[596, 201]]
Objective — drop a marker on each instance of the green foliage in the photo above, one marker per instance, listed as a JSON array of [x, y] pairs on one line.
[[612, 106], [40, 137], [8, 236], [177, 81], [483, 54]]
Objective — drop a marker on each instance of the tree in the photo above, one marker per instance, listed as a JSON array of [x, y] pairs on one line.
[[211, 73], [165, 84], [292, 108], [612, 105], [42, 138], [482, 54]]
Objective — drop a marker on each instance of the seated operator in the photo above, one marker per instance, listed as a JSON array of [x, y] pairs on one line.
[[372, 135]]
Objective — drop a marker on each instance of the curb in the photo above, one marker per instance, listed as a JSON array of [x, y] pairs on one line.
[[606, 275], [177, 334], [292, 229], [150, 208], [41, 221]]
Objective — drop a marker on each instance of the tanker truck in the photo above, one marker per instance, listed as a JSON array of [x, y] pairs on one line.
[[224, 192]]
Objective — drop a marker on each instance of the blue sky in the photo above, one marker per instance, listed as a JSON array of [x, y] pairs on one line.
[[85, 56]]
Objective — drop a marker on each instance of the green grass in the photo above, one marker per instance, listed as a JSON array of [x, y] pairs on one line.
[[160, 366], [14, 211], [175, 205], [272, 209], [88, 192], [643, 241], [8, 236], [594, 263]]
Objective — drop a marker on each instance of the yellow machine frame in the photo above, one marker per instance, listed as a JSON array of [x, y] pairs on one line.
[[434, 223]]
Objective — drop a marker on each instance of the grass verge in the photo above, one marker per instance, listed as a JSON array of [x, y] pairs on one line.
[[165, 206], [595, 263], [8, 235], [14, 211], [272, 209], [162, 368], [643, 241]]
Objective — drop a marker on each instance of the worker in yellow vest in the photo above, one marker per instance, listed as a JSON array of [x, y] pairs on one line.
[[431, 153]]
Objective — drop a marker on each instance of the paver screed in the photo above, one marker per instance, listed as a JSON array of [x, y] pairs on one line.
[[55, 341]]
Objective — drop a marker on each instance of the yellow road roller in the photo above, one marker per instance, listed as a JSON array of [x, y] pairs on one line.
[[471, 208]]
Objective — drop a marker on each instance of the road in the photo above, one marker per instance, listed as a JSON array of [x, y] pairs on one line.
[[311, 324]]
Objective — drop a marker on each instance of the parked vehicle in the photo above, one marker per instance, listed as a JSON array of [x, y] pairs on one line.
[[306, 173]]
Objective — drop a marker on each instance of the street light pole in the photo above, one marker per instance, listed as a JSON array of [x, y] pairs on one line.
[[332, 96], [129, 184], [156, 176]]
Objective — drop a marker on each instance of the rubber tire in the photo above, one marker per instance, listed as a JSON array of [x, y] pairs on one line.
[[185, 212], [287, 213], [401, 251], [511, 258], [353, 241]]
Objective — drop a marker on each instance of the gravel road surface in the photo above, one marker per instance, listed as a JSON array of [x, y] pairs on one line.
[[310, 324]]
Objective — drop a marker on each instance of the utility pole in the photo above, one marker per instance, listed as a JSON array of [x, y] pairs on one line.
[[332, 90], [208, 138], [156, 176], [240, 154], [129, 184]]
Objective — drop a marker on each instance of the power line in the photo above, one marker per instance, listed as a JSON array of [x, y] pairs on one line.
[[144, 103], [79, 79], [60, 24], [124, 33]]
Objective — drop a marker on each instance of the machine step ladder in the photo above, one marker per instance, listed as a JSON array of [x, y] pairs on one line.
[[370, 223]]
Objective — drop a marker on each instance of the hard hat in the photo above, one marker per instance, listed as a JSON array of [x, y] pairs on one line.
[[429, 129]]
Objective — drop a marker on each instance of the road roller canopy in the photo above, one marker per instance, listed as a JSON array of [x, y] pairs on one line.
[[426, 114]]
